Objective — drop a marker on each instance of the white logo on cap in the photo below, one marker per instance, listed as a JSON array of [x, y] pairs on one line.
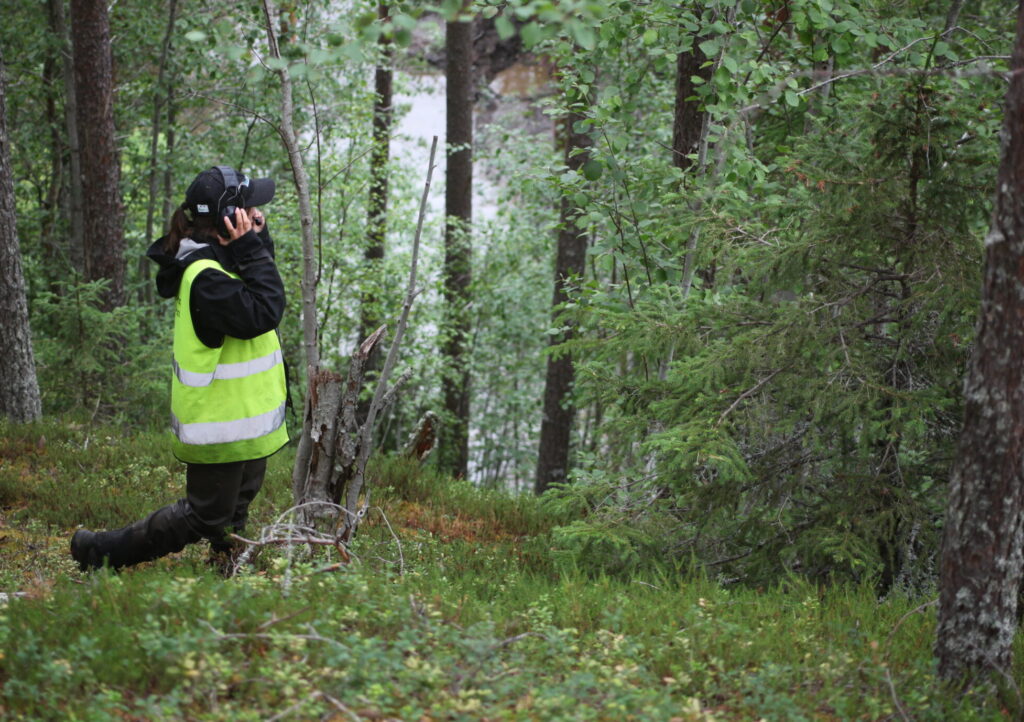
[[202, 208]]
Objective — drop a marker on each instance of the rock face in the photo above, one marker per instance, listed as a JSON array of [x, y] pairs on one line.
[[491, 54]]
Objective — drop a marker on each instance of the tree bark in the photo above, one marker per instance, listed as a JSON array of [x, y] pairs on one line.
[[103, 214], [689, 135], [688, 119], [454, 446], [981, 565], [369, 318], [310, 277], [19, 390], [559, 410], [169, 203], [161, 96], [301, 179], [75, 243], [51, 231]]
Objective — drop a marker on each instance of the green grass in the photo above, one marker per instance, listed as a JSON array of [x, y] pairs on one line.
[[467, 616]]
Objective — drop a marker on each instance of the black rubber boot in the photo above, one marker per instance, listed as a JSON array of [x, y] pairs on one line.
[[163, 532]]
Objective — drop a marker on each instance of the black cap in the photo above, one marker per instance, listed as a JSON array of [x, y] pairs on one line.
[[217, 189]]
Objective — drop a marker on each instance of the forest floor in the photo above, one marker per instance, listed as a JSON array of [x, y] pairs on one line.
[[457, 608]]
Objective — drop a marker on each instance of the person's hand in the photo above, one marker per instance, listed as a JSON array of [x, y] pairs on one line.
[[259, 221], [242, 225]]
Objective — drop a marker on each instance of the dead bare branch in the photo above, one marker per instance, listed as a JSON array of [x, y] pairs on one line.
[[366, 433]]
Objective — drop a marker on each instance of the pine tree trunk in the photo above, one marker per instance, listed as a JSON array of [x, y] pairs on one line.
[[103, 215], [161, 96], [51, 231], [559, 411], [369, 318], [454, 447], [689, 136], [19, 390], [982, 558], [688, 119], [59, 29]]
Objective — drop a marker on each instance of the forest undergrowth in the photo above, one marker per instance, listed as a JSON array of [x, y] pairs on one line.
[[456, 606]]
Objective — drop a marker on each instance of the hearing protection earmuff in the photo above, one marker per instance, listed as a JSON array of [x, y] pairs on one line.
[[231, 199]]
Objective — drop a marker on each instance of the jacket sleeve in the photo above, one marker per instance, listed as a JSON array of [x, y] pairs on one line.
[[225, 306]]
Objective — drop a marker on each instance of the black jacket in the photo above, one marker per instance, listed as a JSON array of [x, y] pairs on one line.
[[221, 305]]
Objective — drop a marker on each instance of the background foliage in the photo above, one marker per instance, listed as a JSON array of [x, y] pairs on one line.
[[786, 403]]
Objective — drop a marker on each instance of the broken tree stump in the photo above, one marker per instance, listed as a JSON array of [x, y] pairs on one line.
[[424, 439]]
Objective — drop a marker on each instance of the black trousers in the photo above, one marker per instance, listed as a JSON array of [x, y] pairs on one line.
[[217, 497]]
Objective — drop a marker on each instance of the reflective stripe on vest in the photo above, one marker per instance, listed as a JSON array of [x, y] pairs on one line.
[[238, 370], [225, 432], [227, 402]]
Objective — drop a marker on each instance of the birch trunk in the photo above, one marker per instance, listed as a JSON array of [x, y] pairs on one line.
[[301, 180]]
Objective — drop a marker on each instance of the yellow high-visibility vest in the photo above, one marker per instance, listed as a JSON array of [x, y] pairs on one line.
[[227, 403]]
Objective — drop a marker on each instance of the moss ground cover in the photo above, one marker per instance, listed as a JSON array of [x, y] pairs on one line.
[[468, 615]]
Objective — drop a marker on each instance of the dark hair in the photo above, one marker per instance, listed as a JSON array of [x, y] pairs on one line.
[[200, 228]]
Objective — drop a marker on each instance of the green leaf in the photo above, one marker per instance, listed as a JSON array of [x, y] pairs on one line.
[[710, 48], [277, 63], [255, 74], [584, 35], [451, 8], [531, 34], [504, 27], [593, 169], [319, 56], [364, 20], [730, 64], [403, 37], [404, 21], [650, 36], [353, 51], [792, 98], [195, 36]]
